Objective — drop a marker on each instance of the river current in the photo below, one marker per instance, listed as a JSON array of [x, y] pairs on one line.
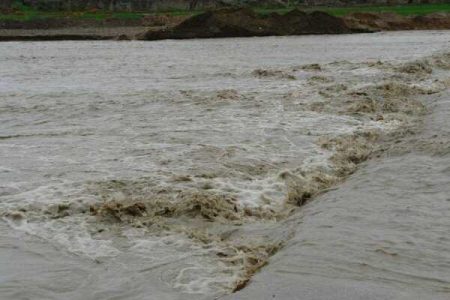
[[178, 169]]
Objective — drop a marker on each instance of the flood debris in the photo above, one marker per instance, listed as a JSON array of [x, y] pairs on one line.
[[303, 187], [208, 206], [417, 67], [350, 150], [245, 256], [262, 73], [229, 94], [15, 216], [119, 211], [252, 259], [204, 217], [318, 79], [392, 97], [308, 67]]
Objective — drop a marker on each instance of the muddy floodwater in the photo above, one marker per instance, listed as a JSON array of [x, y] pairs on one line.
[[250, 168]]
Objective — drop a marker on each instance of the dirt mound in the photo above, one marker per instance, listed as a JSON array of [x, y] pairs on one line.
[[390, 21], [162, 20], [244, 22], [432, 21]]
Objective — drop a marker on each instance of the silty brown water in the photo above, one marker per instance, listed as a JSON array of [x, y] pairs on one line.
[[159, 131]]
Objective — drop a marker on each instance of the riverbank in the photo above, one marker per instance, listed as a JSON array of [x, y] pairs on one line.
[[23, 15], [72, 33], [230, 22], [191, 28], [29, 25]]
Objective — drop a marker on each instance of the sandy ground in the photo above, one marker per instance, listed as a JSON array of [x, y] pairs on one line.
[[106, 32]]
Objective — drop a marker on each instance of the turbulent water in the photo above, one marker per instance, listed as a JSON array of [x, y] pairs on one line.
[[175, 169]]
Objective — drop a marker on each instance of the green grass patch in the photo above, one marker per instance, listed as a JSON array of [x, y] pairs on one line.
[[405, 10], [25, 13]]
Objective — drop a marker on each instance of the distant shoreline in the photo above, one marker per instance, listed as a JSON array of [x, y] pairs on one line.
[[71, 33], [178, 26]]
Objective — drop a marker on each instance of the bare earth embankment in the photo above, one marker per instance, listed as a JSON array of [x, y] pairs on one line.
[[70, 33], [391, 21], [229, 22]]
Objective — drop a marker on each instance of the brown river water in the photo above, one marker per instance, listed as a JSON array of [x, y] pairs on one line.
[[312, 167]]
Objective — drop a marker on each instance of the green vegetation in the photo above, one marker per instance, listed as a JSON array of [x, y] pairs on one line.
[[31, 14], [406, 10], [25, 13]]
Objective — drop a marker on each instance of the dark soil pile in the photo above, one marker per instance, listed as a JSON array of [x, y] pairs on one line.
[[243, 22], [390, 21]]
